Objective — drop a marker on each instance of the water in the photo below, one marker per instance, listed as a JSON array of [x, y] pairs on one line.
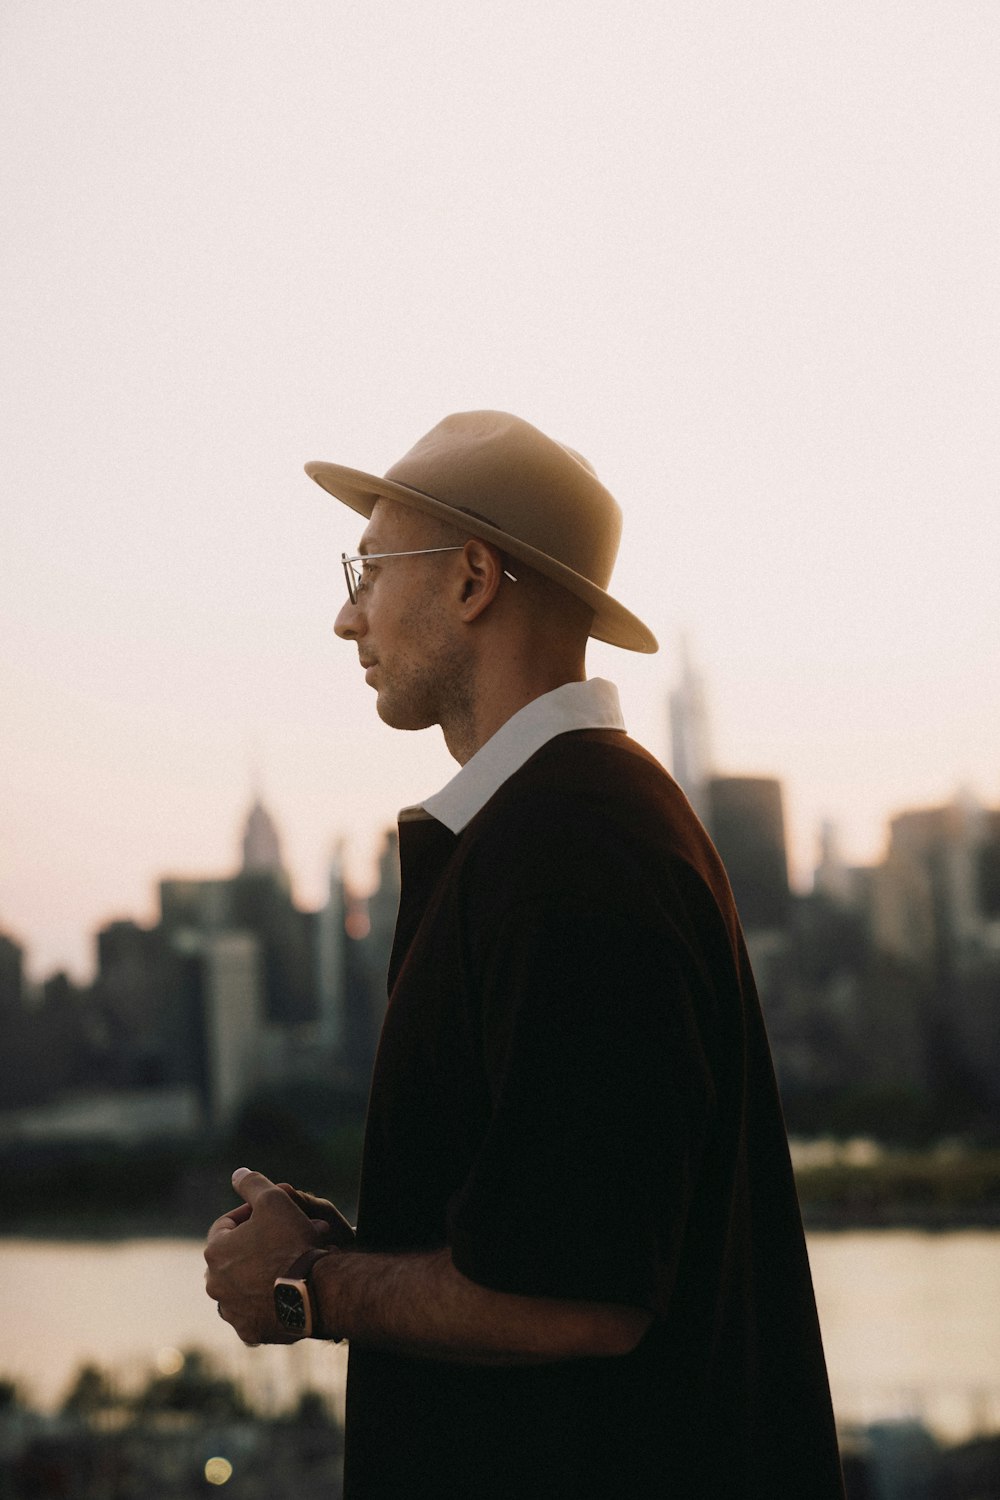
[[911, 1327], [130, 1306], [911, 1324]]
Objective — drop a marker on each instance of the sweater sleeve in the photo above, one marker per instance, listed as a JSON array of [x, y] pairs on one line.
[[601, 1101]]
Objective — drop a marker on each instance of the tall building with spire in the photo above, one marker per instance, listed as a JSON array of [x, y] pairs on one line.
[[261, 844], [690, 738]]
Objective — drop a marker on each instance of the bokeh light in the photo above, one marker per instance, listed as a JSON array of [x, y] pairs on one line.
[[218, 1470]]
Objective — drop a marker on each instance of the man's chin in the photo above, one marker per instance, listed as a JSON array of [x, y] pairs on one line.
[[400, 716]]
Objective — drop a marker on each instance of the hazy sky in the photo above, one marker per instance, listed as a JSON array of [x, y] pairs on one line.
[[744, 257]]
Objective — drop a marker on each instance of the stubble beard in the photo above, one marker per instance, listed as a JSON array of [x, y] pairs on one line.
[[431, 682]]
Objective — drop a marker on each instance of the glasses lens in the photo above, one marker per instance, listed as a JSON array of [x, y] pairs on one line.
[[351, 577]]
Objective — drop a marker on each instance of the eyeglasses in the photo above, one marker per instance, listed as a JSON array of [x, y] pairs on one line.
[[354, 567], [355, 574]]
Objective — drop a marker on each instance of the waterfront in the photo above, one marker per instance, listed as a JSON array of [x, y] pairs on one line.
[[131, 1306], [911, 1324]]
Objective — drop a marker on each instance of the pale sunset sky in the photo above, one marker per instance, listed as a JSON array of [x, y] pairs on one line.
[[744, 257]]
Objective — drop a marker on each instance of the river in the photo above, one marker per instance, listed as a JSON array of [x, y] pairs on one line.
[[911, 1323]]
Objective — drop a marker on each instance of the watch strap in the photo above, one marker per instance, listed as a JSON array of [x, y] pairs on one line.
[[300, 1268]]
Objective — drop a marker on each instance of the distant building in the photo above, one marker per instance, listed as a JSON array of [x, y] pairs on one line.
[[382, 911], [130, 990], [331, 959], [11, 974], [746, 820], [233, 1009], [369, 945], [242, 970], [200, 904], [988, 869], [258, 902], [22, 1052], [935, 907], [261, 844], [833, 877], [934, 891], [690, 738]]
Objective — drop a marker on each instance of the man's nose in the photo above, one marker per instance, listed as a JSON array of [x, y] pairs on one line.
[[348, 622]]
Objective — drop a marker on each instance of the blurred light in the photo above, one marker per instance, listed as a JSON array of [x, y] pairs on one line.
[[169, 1361], [218, 1470]]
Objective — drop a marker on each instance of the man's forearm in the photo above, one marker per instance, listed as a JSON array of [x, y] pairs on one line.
[[421, 1305]]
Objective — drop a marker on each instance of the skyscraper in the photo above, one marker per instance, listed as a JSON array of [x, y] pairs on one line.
[[332, 957], [690, 740], [11, 974], [261, 844], [832, 877], [747, 824]]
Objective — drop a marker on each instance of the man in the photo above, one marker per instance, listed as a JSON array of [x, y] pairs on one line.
[[579, 1268]]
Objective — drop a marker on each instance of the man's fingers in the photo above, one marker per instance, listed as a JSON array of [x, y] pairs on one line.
[[231, 1220], [250, 1185], [310, 1203], [224, 1225], [337, 1228]]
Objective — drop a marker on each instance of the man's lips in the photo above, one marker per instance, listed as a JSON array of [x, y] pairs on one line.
[[369, 666]]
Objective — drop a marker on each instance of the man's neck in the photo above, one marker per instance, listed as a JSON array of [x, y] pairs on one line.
[[498, 702]]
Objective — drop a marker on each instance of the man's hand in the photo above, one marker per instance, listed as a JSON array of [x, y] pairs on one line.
[[324, 1214], [253, 1244]]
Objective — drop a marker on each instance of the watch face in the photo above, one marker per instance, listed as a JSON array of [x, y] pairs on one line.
[[290, 1306]]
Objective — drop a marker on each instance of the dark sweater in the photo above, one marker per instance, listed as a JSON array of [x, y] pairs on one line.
[[574, 1091]]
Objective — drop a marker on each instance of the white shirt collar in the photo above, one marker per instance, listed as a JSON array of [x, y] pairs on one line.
[[576, 705]]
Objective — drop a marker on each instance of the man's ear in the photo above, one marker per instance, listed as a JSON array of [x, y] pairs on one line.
[[481, 578]]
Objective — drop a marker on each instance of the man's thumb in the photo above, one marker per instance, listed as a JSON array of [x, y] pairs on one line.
[[250, 1184]]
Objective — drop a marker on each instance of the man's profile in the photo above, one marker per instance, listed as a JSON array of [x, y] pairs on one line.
[[579, 1267]]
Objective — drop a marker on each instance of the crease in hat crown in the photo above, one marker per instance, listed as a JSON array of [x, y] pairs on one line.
[[496, 477]]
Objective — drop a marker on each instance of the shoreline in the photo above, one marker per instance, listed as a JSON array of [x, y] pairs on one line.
[[874, 1218], [936, 1191]]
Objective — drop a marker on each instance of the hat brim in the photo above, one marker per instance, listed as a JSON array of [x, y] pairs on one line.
[[612, 623]]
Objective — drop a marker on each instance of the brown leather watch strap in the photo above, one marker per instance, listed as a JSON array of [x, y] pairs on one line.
[[300, 1268]]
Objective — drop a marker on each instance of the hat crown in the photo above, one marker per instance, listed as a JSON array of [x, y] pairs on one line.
[[501, 470]]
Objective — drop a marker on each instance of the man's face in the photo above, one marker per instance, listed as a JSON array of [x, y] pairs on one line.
[[412, 651]]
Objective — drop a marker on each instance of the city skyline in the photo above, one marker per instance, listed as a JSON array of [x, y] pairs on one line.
[[745, 263], [258, 842], [886, 974]]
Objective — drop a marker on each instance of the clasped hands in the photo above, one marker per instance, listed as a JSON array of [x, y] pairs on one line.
[[257, 1241]]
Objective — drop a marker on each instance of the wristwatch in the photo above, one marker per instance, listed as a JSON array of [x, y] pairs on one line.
[[293, 1303]]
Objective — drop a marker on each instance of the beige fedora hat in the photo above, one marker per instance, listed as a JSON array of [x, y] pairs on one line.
[[499, 478]]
